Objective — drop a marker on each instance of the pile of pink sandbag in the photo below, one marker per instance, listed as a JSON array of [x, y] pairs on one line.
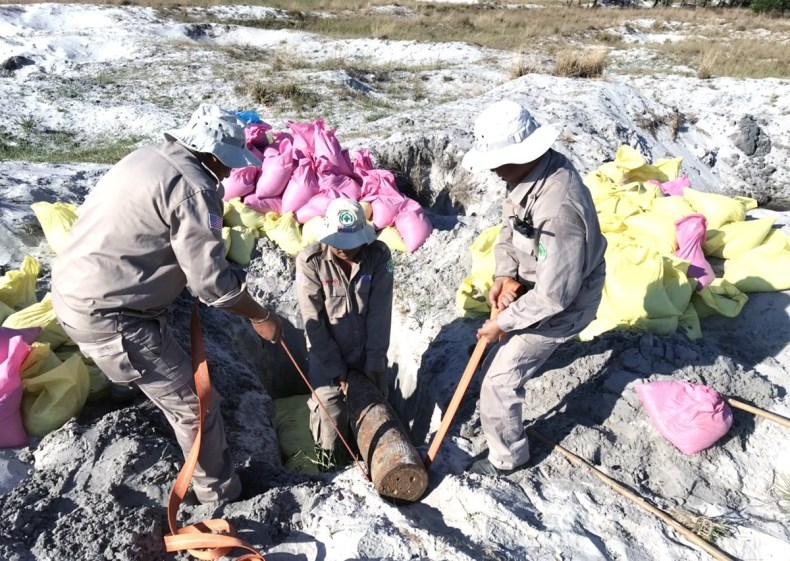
[[305, 167]]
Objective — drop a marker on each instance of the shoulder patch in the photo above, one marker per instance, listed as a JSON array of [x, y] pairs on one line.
[[542, 252], [390, 266]]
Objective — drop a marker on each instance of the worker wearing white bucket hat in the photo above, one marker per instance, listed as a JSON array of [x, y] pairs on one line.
[[549, 270], [344, 288], [149, 228], [506, 133]]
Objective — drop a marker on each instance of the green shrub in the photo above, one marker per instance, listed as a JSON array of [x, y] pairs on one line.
[[766, 6]]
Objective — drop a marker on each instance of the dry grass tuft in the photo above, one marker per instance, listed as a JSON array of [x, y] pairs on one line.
[[706, 64], [522, 68], [709, 529], [273, 94], [585, 64]]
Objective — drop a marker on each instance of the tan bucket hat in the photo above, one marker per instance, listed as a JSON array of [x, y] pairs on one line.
[[345, 226], [212, 130]]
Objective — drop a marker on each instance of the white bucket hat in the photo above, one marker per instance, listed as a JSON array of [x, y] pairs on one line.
[[506, 133], [345, 226], [212, 130]]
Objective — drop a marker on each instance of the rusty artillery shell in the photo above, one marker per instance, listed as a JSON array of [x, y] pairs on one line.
[[395, 467]]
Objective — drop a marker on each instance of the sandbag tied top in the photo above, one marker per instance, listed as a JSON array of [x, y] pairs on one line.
[[691, 416], [691, 231]]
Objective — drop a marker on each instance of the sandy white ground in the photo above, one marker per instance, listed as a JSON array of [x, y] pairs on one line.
[[96, 488]]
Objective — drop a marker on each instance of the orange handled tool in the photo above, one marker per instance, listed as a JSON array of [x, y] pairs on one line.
[[466, 379], [452, 408]]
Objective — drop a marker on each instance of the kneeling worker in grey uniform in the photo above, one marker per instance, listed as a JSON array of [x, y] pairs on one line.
[[551, 249], [344, 289], [150, 227]]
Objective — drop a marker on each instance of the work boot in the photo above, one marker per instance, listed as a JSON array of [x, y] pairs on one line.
[[485, 467]]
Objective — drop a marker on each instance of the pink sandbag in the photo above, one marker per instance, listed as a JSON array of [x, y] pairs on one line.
[[690, 231], [303, 137], [316, 206], [276, 170], [384, 209], [14, 348], [327, 147], [342, 184], [255, 135], [302, 186], [691, 416], [28, 335], [241, 182], [377, 182], [362, 161], [673, 187], [270, 204], [412, 225]]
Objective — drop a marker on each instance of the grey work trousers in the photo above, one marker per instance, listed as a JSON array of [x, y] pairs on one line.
[[143, 352], [323, 432], [506, 370]]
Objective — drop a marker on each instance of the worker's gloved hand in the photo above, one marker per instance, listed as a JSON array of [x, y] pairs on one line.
[[271, 329]]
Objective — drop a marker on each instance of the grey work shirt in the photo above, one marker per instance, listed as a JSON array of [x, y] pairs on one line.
[[347, 320], [563, 259], [150, 227]]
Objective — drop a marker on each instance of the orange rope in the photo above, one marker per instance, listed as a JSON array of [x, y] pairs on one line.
[[315, 396]]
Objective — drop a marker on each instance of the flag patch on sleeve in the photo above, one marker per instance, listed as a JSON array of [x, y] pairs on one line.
[[214, 222]]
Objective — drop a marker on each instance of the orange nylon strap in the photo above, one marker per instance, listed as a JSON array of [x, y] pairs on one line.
[[200, 540]]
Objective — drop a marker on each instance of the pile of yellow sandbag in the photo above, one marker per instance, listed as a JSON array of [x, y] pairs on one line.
[[648, 288], [56, 378]]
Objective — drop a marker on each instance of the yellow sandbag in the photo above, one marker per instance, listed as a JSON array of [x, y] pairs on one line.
[[40, 315], [635, 295], [295, 442], [671, 206], [766, 268], [612, 172], [39, 359], [719, 297], [670, 167], [313, 228], [242, 242], [54, 396], [56, 220], [5, 311], [226, 241], [601, 187], [747, 202], [634, 166], [730, 240], [471, 298], [99, 383], [689, 323], [367, 209], [391, 237], [236, 213], [285, 231], [677, 285], [483, 262], [18, 287], [654, 230], [717, 209]]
